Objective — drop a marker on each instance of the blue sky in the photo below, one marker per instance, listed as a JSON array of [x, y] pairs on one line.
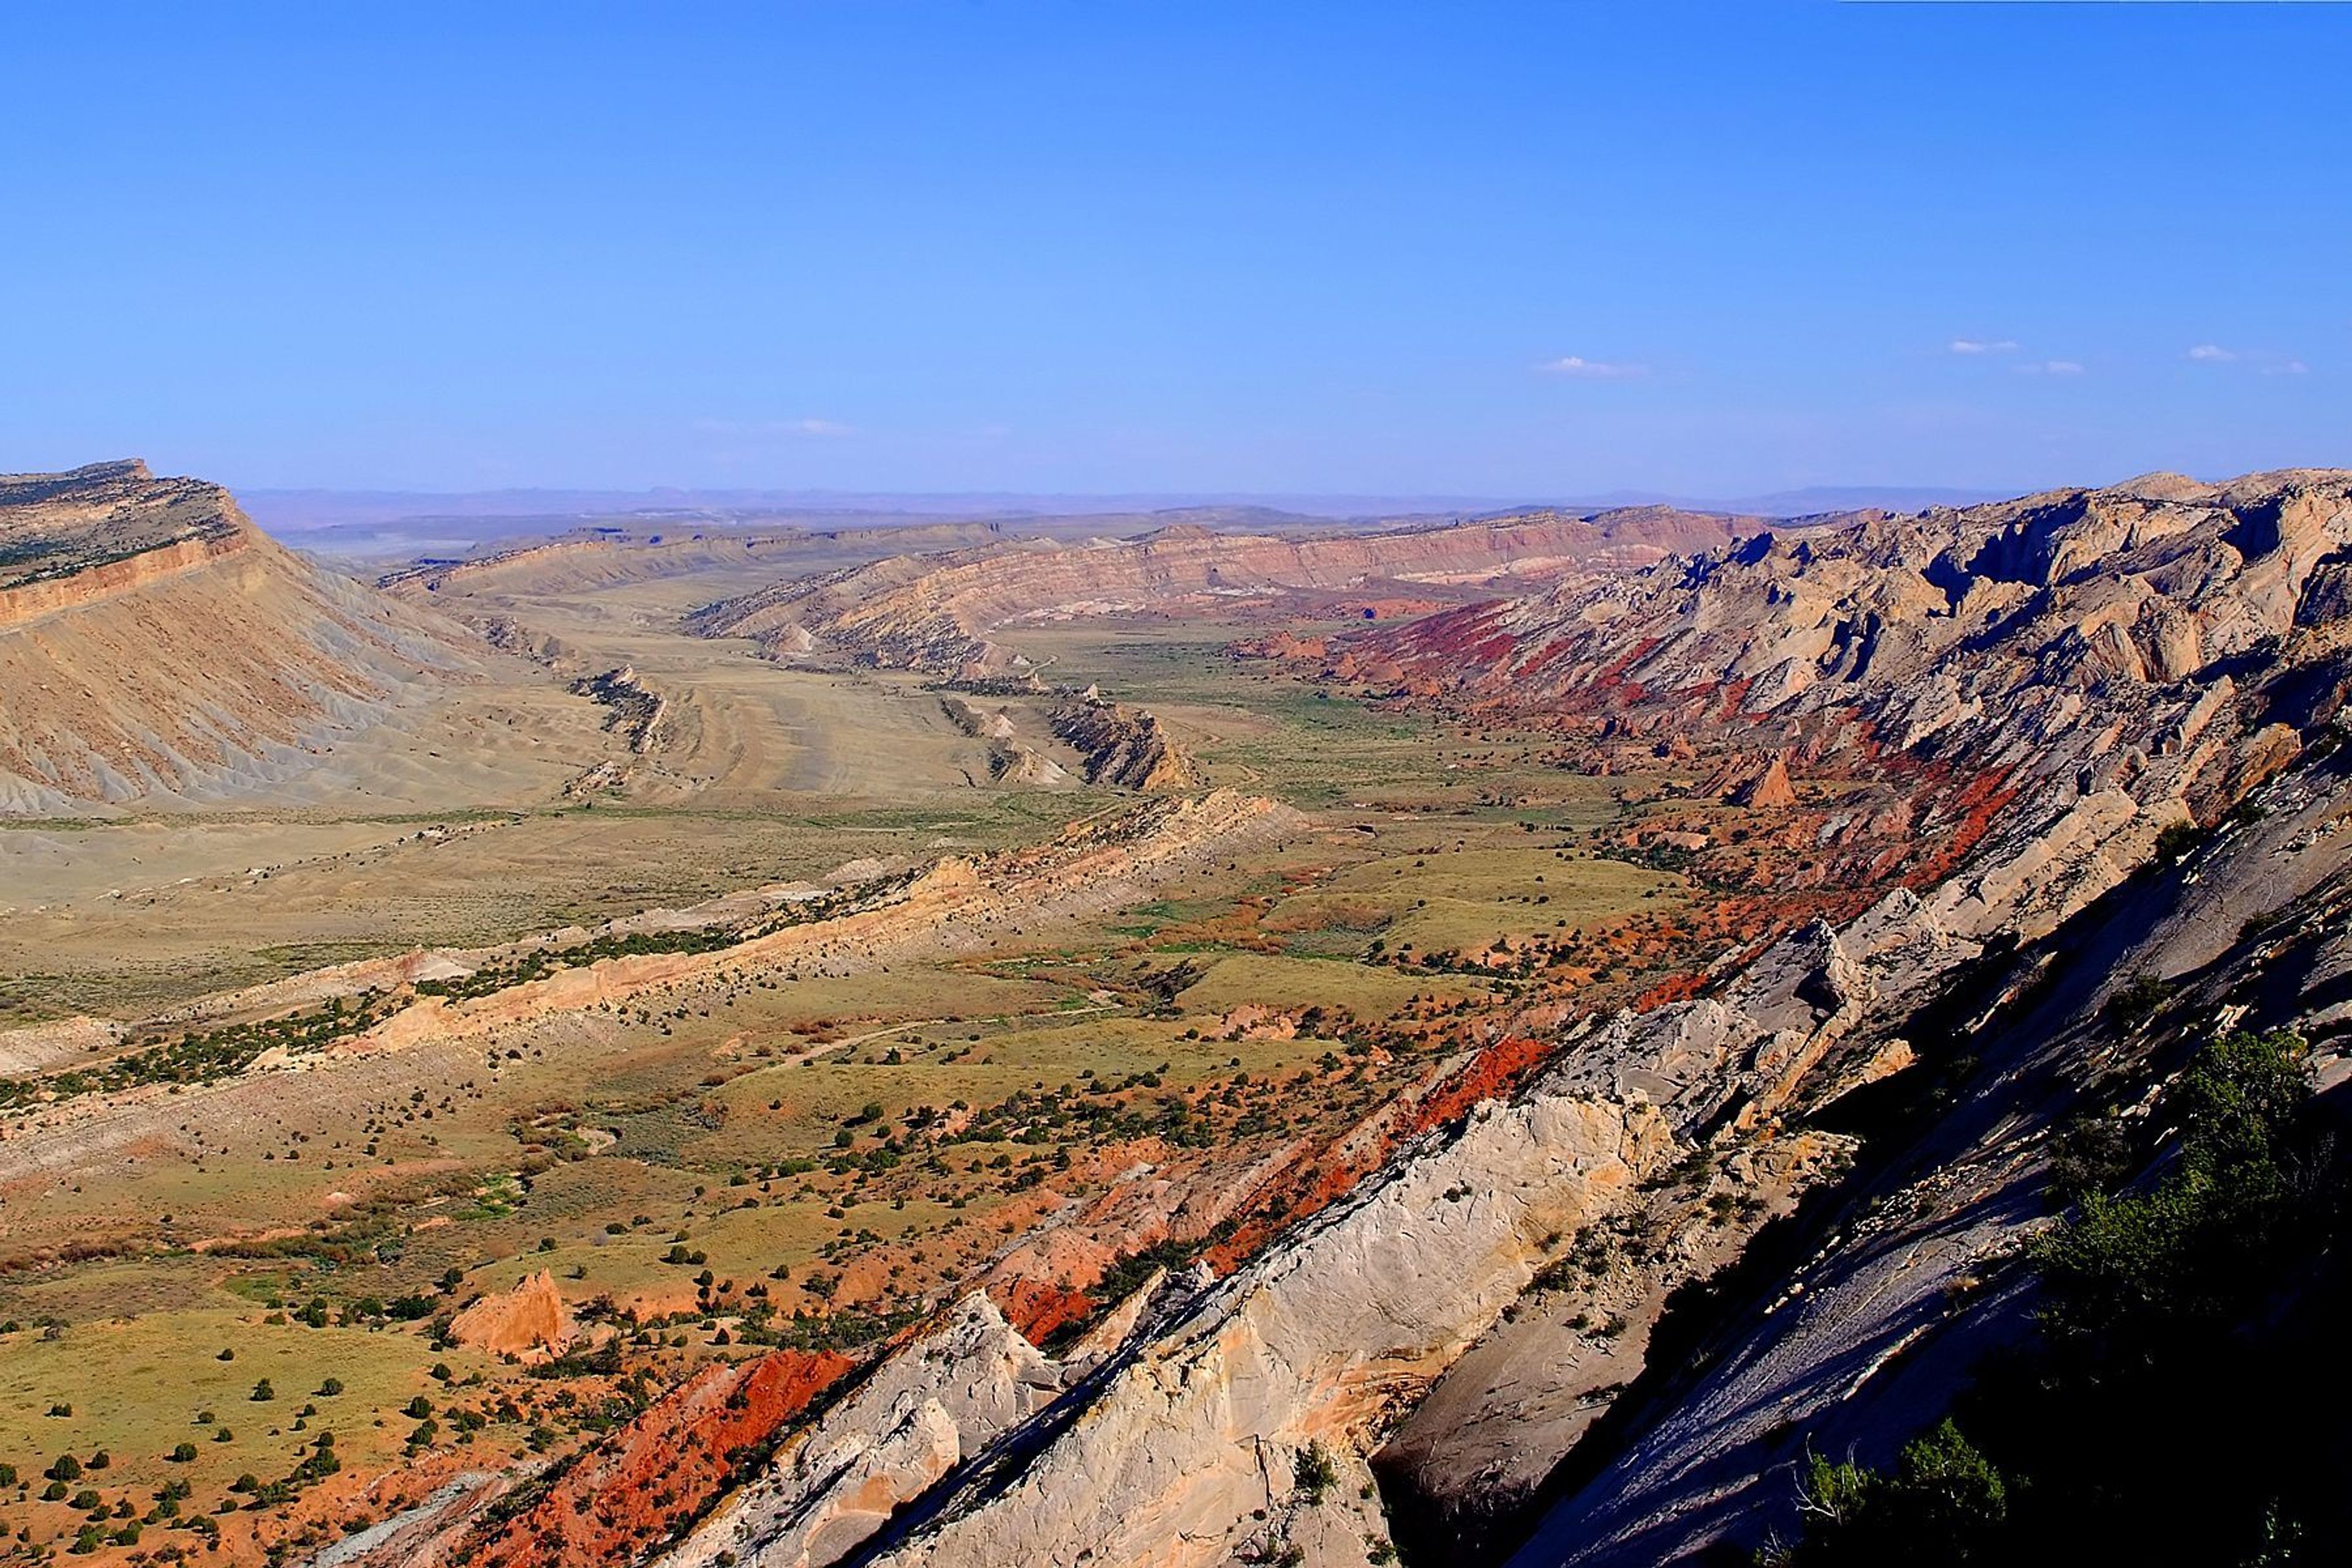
[[1456, 249]]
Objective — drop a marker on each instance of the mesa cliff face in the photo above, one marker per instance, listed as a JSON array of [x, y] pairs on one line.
[[959, 611], [155, 644]]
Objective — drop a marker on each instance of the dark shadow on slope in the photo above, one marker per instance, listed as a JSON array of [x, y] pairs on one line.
[[1997, 1044]]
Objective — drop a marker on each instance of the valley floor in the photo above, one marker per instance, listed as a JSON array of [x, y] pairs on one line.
[[297, 1084]]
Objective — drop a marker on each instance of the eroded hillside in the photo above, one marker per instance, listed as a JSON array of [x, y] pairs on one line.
[[961, 611], [155, 645]]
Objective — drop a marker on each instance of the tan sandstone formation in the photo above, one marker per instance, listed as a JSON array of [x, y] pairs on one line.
[[155, 644], [531, 1317]]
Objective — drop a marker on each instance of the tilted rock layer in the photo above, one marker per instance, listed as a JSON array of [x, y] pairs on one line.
[[2051, 681], [953, 611], [1125, 746], [2035, 692]]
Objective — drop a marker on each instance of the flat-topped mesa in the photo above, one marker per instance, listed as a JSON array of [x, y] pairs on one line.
[[69, 539], [961, 610], [154, 643]]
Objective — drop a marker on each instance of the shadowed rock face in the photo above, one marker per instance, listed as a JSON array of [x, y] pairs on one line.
[[153, 643]]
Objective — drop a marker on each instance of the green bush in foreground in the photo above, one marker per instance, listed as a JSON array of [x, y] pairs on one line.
[[2186, 1401]]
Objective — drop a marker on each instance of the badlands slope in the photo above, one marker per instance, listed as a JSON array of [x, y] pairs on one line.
[[155, 645]]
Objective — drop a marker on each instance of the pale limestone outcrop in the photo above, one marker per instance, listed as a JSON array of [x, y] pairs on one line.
[[931, 1404], [39, 1048], [1480, 1448], [1315, 1341]]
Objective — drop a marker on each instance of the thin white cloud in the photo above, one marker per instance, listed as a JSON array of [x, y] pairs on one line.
[[775, 428], [1983, 346], [2051, 367], [1593, 369], [2265, 362]]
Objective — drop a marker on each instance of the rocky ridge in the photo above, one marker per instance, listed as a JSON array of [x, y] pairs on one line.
[[957, 612], [2047, 695], [954, 906], [2078, 670], [645, 552], [1124, 746]]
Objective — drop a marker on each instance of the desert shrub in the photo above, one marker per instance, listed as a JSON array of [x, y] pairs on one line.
[[2091, 1153], [2215, 1282], [2176, 841], [1313, 1472], [1944, 1503], [2184, 1251], [2138, 1001]]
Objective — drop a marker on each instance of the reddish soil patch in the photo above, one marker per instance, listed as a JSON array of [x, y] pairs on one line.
[[1320, 1177], [1038, 1307], [661, 1470]]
